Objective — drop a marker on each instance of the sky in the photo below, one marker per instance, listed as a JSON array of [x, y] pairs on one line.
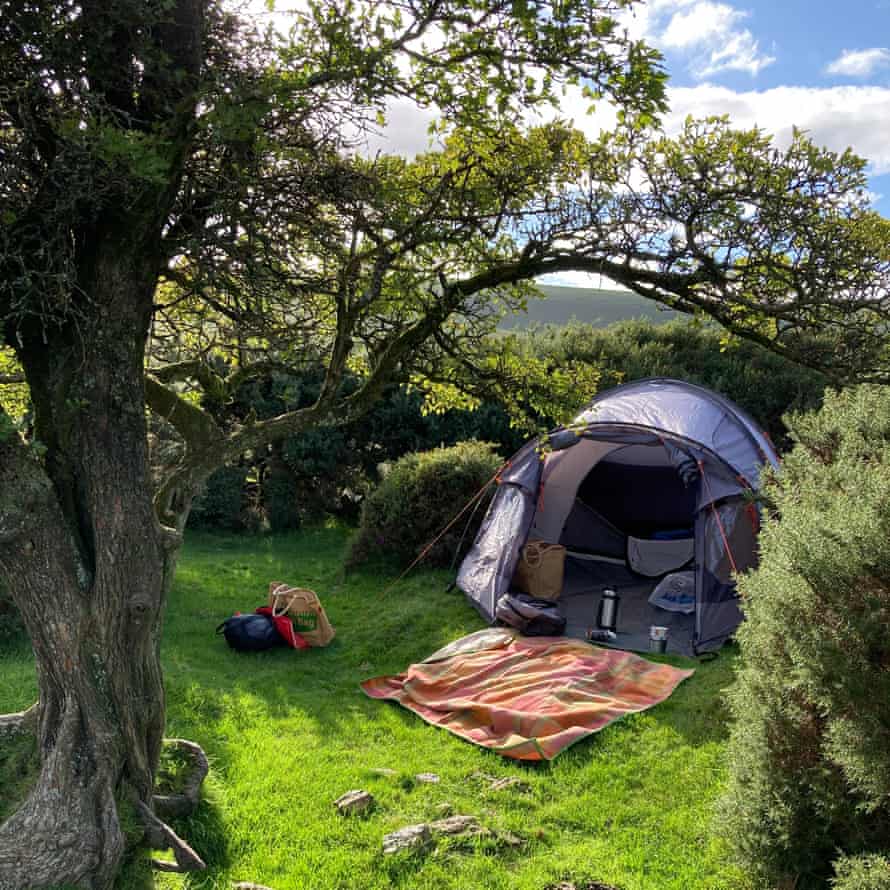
[[820, 65]]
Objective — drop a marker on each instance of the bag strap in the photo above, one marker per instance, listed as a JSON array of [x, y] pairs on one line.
[[533, 554], [277, 611], [279, 593]]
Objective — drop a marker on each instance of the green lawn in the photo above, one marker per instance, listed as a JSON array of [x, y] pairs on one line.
[[288, 732]]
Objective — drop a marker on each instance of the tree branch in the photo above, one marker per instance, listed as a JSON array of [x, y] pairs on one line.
[[196, 426]]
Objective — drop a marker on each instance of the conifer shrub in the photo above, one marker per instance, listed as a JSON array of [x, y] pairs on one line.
[[420, 494], [809, 750]]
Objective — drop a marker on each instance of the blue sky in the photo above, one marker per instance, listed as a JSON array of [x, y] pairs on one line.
[[821, 66], [824, 66]]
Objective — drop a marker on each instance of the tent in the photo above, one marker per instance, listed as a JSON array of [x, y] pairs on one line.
[[651, 481]]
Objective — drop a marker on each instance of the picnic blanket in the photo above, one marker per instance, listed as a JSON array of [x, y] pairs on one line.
[[528, 698]]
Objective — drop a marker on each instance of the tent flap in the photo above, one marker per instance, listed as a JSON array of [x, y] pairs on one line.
[[487, 570]]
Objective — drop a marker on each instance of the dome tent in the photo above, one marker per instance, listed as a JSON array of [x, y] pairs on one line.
[[651, 477]]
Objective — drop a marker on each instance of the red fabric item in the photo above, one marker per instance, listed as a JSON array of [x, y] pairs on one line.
[[285, 628]]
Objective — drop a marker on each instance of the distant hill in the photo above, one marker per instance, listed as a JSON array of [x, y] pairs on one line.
[[594, 306]]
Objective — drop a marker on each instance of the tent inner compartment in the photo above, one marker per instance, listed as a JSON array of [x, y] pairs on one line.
[[637, 490], [585, 580], [633, 490]]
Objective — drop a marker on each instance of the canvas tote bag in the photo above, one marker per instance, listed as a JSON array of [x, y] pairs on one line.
[[541, 569], [304, 609]]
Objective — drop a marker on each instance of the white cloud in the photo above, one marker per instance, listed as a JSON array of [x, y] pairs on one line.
[[580, 279], [699, 24], [856, 117], [708, 34], [860, 62], [406, 131], [740, 52]]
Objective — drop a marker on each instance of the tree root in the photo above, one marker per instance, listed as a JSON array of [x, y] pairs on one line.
[[161, 837], [167, 806], [176, 806], [23, 723]]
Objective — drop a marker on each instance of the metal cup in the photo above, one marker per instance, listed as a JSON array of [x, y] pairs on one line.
[[658, 638]]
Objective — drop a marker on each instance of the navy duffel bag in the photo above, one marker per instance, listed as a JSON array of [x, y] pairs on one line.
[[251, 633]]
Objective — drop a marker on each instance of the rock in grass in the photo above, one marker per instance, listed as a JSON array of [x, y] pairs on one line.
[[383, 772], [248, 885], [411, 838], [427, 778], [457, 825], [509, 783], [508, 839], [586, 885], [354, 803]]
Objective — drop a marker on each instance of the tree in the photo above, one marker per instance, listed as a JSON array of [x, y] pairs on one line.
[[184, 204], [169, 138]]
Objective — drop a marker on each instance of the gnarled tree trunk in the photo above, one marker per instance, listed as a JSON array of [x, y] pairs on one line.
[[83, 556]]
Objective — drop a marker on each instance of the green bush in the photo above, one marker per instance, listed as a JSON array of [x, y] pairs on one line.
[[280, 497], [333, 467], [809, 751], [418, 497], [221, 505], [862, 873]]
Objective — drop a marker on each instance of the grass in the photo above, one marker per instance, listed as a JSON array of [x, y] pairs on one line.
[[288, 732]]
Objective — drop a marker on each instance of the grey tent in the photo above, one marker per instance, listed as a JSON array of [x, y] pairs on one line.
[[652, 479]]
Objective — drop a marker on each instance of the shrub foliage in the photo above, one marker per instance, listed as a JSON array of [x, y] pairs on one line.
[[10, 621], [333, 467], [810, 746], [222, 503], [418, 497], [868, 872], [764, 384]]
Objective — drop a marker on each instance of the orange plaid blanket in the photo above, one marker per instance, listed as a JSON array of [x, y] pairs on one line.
[[527, 697]]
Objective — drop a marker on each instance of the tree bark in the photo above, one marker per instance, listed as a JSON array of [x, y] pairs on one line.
[[84, 559]]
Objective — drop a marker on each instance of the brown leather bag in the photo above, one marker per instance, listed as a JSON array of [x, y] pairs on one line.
[[304, 609], [541, 570]]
